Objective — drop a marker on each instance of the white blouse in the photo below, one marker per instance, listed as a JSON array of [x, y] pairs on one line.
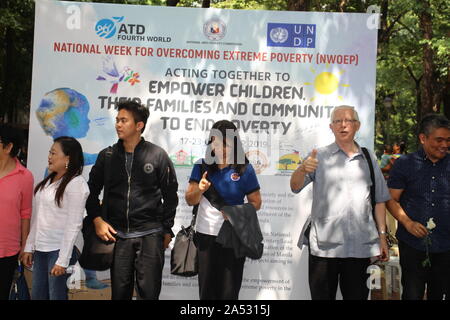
[[56, 228]]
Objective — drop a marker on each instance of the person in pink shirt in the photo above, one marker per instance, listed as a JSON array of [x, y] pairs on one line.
[[16, 193]]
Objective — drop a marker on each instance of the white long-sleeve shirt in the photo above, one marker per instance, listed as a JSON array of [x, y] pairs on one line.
[[56, 228]]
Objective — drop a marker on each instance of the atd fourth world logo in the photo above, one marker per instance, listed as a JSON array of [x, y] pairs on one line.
[[106, 28]]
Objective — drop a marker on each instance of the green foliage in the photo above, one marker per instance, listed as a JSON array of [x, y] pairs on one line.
[[250, 4], [190, 3], [16, 36], [400, 67]]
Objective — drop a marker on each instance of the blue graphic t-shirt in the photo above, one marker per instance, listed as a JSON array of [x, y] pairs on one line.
[[231, 186]]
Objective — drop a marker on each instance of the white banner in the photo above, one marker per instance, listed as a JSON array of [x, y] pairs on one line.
[[276, 75]]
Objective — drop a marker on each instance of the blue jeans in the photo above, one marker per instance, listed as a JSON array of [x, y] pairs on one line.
[[44, 285]]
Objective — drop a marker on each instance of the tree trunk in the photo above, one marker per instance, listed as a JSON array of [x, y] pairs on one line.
[[3, 77], [206, 3], [299, 5], [172, 3], [383, 34], [446, 98], [428, 81], [342, 5], [9, 95]]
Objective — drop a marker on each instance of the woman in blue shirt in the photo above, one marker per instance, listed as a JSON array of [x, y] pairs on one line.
[[226, 167]]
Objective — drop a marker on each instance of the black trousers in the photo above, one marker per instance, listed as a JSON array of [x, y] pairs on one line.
[[7, 267], [350, 273], [141, 261], [219, 271], [416, 279]]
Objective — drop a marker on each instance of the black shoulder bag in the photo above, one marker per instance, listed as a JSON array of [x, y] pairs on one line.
[[98, 254], [183, 257]]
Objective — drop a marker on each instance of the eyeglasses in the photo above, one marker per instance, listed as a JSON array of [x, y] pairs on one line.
[[345, 121]]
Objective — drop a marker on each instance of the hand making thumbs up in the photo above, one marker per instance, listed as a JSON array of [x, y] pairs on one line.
[[310, 164], [204, 183]]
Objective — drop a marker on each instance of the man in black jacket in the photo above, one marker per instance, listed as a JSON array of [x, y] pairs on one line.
[[141, 205]]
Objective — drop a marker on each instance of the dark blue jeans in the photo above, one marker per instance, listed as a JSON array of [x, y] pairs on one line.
[[416, 279], [44, 285]]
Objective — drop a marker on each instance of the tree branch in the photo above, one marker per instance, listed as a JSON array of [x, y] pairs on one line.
[[411, 73], [414, 34], [342, 5], [388, 32]]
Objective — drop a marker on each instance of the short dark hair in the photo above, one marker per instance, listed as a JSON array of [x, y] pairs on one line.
[[431, 122], [402, 146], [10, 134], [388, 148], [139, 111]]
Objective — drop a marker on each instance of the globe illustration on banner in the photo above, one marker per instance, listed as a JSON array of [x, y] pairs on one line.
[[63, 112]]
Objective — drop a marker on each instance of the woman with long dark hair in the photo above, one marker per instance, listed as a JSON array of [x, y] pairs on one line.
[[58, 214], [225, 167]]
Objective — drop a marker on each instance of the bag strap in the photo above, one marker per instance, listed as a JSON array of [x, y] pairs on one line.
[[194, 216], [108, 156], [372, 177], [211, 194], [195, 208]]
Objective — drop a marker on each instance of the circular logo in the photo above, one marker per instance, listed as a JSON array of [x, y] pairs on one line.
[[235, 176], [105, 28], [148, 168], [214, 29], [279, 35], [258, 160]]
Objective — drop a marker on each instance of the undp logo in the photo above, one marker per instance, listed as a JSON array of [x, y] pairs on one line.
[[106, 28], [291, 35]]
